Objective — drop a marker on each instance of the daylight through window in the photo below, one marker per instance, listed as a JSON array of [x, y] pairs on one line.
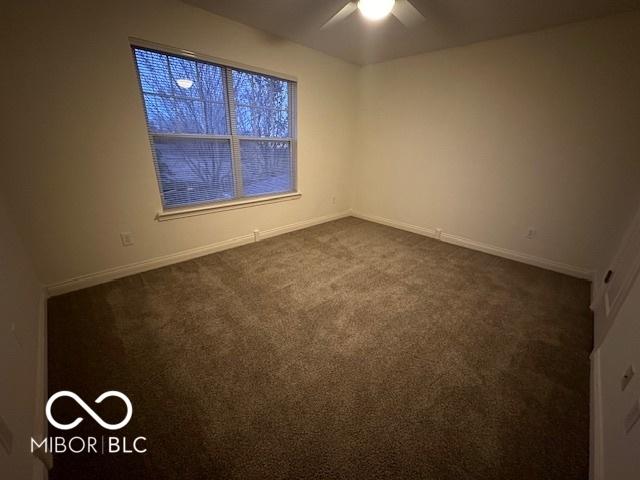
[[217, 133]]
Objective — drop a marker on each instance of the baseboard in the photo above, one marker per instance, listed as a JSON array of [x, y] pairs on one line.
[[596, 452], [103, 276], [273, 232], [92, 279], [545, 263], [107, 275], [40, 426], [40, 420], [427, 232]]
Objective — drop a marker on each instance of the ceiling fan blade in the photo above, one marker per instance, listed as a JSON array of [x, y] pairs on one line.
[[407, 13], [347, 10]]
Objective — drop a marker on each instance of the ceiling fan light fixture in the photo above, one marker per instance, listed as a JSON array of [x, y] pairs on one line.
[[185, 83], [375, 9]]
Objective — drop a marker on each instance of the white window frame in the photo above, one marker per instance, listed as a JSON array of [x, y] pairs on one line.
[[239, 201]]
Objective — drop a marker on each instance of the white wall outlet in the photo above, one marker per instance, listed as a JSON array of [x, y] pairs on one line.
[[439, 233], [256, 235], [6, 437], [632, 417], [126, 238], [626, 378], [531, 233]]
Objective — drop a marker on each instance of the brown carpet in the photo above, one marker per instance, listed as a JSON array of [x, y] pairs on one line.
[[349, 350]]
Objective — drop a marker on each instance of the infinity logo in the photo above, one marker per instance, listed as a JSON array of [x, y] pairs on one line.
[[87, 408]]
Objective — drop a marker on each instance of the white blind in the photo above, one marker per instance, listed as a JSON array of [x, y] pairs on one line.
[[217, 133]]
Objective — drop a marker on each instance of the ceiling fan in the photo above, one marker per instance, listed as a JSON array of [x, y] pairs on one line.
[[408, 15]]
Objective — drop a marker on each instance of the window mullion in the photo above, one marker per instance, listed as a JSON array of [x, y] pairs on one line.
[[235, 141], [293, 132]]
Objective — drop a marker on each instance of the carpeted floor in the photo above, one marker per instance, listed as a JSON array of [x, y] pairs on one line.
[[349, 350]]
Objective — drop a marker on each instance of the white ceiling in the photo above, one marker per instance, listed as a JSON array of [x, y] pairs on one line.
[[449, 23]]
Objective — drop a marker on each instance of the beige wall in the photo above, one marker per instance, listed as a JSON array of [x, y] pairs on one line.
[[482, 141], [21, 306], [487, 140], [77, 157]]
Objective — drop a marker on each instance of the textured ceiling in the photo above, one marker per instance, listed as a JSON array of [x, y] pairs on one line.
[[448, 23]]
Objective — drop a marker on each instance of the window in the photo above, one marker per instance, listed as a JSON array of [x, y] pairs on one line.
[[218, 133]]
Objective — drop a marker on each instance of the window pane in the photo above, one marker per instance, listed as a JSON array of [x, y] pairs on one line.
[[266, 167], [262, 105], [177, 115], [181, 95], [194, 170], [212, 81], [262, 122], [172, 115], [189, 108], [216, 119], [153, 71], [260, 91], [185, 79]]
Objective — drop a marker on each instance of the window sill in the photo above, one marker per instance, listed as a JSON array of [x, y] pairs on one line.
[[219, 207]]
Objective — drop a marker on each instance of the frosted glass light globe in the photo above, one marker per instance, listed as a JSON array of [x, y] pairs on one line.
[[375, 9]]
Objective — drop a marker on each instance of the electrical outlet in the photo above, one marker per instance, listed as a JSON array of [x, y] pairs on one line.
[[6, 437], [632, 417], [439, 233], [126, 238], [531, 233], [256, 235], [626, 378]]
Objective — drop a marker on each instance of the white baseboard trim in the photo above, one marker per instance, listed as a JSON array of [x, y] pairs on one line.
[[92, 279], [484, 247], [427, 232], [40, 425], [103, 276], [89, 280], [274, 232], [520, 257], [596, 452]]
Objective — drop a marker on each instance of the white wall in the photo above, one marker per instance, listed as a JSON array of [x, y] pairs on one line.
[[21, 305], [487, 140], [620, 460], [77, 158]]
